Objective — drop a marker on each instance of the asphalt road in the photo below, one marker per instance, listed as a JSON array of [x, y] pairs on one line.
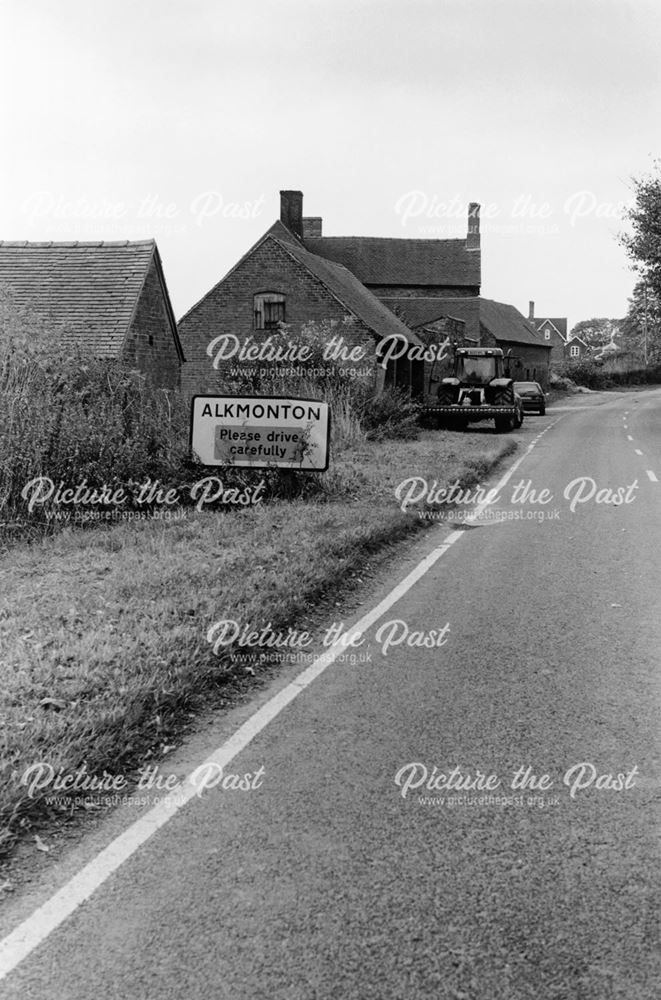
[[327, 881]]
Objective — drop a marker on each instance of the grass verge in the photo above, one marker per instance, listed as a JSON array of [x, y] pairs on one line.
[[103, 646]]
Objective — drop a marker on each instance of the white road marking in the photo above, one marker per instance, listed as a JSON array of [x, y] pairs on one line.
[[638, 451], [629, 438], [652, 478], [39, 925]]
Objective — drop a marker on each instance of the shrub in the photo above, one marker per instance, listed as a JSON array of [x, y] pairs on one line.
[[72, 418], [585, 371], [391, 414]]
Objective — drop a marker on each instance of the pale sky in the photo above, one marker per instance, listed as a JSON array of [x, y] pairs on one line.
[[162, 118]]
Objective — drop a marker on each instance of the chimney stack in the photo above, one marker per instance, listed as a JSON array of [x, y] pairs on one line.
[[473, 237], [291, 211], [312, 227], [531, 310]]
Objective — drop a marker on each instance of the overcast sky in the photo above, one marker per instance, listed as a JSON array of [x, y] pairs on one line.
[[137, 118]]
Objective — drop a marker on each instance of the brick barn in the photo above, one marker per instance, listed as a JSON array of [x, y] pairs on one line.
[[499, 325], [109, 297]]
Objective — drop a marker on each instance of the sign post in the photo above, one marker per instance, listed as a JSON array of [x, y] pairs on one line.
[[261, 432]]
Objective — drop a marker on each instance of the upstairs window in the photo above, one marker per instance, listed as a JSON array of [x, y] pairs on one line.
[[269, 310], [574, 350], [547, 334]]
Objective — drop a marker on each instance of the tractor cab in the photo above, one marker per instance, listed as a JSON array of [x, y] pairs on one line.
[[478, 365]]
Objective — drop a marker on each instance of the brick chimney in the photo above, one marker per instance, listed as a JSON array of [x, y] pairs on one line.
[[473, 236], [291, 211], [312, 226], [531, 310]]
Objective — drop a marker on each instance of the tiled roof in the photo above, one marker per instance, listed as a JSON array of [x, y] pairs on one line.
[[417, 312], [559, 322], [385, 261], [88, 290], [505, 322], [351, 292]]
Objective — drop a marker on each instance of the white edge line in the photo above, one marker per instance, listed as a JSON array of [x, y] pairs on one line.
[[50, 915], [37, 927], [638, 451], [629, 438], [652, 478]]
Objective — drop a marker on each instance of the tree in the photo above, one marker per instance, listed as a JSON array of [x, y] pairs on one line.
[[641, 327], [597, 332], [643, 243]]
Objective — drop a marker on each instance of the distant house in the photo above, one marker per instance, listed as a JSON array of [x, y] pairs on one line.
[[109, 297], [575, 349], [553, 330], [295, 274]]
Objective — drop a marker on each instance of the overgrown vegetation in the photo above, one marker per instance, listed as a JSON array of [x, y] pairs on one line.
[[68, 420]]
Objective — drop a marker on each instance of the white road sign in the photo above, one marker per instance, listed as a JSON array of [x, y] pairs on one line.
[[261, 432]]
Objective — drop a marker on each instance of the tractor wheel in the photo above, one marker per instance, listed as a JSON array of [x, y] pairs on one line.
[[504, 424], [518, 420]]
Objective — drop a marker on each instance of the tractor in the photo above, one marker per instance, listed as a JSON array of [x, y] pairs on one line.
[[480, 389]]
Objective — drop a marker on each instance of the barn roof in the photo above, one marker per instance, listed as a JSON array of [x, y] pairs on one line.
[[89, 291]]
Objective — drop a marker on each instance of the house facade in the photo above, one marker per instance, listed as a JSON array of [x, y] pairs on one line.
[[575, 349], [279, 281], [110, 298]]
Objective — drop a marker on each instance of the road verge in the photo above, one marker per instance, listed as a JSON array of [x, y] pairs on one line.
[[104, 643]]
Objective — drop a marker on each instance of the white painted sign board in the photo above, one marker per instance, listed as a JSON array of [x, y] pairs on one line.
[[261, 432]]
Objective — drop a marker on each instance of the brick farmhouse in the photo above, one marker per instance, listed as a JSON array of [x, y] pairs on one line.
[[419, 289]]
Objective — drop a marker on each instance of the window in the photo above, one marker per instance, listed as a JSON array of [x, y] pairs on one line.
[[479, 370], [547, 334], [574, 350], [269, 310], [151, 340]]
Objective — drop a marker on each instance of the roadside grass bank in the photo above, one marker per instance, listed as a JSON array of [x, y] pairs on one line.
[[104, 653]]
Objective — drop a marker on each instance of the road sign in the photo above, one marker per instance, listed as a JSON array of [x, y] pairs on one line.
[[261, 432]]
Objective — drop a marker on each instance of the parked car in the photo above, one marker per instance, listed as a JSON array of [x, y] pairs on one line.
[[532, 395]]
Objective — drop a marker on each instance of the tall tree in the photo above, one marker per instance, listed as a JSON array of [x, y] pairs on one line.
[[643, 242], [641, 327]]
